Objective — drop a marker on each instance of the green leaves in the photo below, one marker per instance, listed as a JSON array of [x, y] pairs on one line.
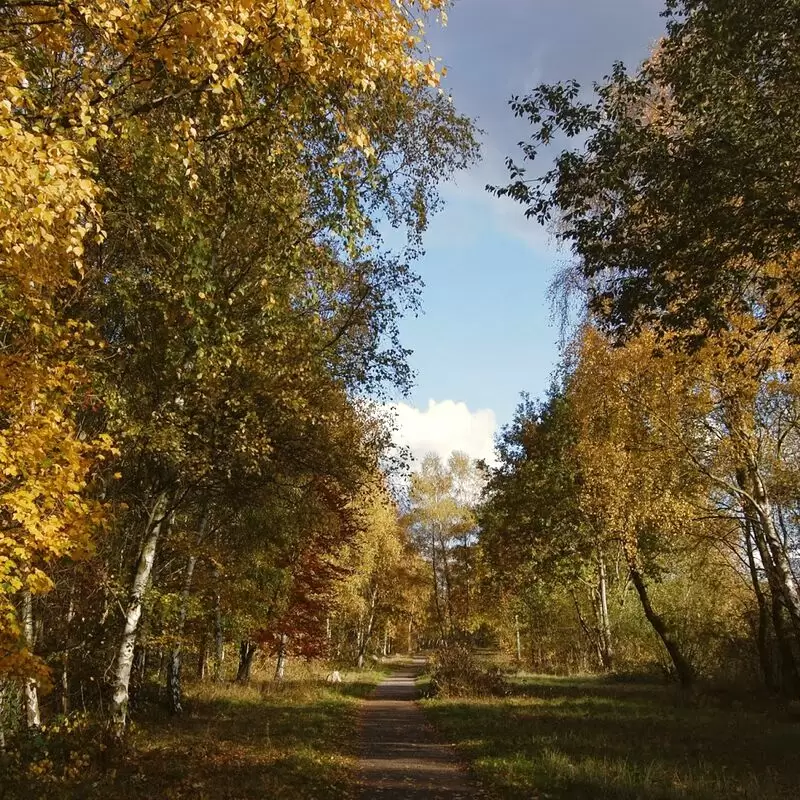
[[681, 199]]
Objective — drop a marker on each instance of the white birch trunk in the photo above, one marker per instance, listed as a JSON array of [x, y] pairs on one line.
[[31, 688], [174, 688], [607, 654], [133, 613], [65, 660], [280, 667], [780, 559]]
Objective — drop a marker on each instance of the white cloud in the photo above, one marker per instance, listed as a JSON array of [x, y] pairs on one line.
[[444, 427]]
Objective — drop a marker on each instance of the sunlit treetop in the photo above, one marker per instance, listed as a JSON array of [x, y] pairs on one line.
[[112, 47]]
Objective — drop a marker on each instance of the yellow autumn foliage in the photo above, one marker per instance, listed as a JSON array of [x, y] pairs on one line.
[[80, 73]]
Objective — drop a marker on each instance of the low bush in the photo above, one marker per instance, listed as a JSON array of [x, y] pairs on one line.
[[455, 672], [54, 758]]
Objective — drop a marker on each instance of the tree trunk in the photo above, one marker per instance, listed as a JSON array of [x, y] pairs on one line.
[[683, 669], [790, 675], [31, 687], [603, 618], [448, 592], [3, 692], [436, 598], [589, 633], [780, 559], [367, 634], [762, 632], [65, 660], [247, 651], [174, 688], [133, 612], [785, 537], [518, 637], [202, 657], [140, 664], [280, 667], [219, 634], [467, 583]]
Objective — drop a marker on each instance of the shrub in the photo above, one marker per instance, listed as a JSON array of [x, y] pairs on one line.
[[455, 672]]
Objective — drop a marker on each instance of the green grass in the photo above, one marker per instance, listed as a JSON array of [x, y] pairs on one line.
[[296, 739], [592, 738]]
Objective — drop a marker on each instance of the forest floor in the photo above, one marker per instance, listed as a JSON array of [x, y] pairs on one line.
[[297, 739], [590, 738], [555, 738]]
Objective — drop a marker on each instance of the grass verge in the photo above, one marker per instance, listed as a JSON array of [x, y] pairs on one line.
[[296, 739], [592, 738]]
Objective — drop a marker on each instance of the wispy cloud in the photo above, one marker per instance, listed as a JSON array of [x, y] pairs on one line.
[[506, 47]]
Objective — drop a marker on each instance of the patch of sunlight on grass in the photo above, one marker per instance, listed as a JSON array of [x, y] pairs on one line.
[[594, 738], [291, 739]]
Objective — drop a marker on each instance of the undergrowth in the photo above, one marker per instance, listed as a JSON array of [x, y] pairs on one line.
[[455, 672], [291, 739]]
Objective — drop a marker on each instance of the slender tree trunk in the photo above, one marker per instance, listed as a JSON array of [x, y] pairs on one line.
[[518, 637], [31, 687], [785, 538], [219, 633], [683, 669], [174, 688], [133, 612], [367, 633], [780, 559], [535, 646], [359, 634], [141, 664], [410, 630], [749, 481], [448, 592], [590, 634], [603, 618], [467, 583], [247, 651], [790, 674], [436, 598], [280, 667], [3, 695], [202, 657], [762, 632], [65, 660]]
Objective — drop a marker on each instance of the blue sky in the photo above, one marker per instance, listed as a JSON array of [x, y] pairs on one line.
[[485, 333]]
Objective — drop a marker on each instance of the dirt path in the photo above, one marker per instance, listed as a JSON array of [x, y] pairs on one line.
[[399, 757]]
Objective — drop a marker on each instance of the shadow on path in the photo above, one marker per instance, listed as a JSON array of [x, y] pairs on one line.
[[399, 757]]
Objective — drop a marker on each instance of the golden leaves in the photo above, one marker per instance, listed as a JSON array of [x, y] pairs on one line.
[[60, 104], [629, 407]]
